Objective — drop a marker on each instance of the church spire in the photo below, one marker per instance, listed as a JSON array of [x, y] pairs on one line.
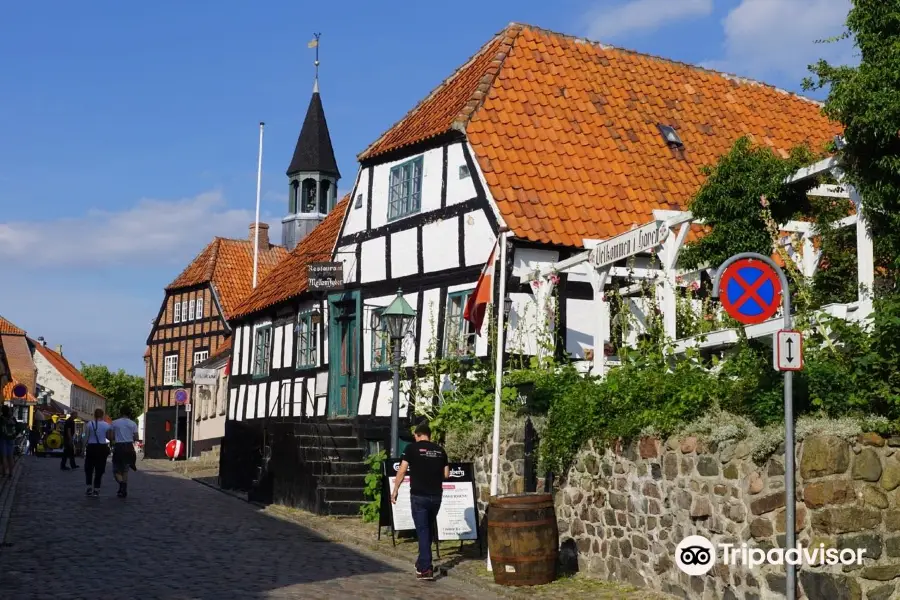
[[314, 152]]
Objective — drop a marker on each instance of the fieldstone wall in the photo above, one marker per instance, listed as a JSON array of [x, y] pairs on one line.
[[622, 512], [512, 469]]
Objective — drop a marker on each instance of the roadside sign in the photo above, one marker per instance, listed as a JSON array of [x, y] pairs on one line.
[[640, 239], [187, 407], [751, 291], [174, 449], [181, 396], [788, 350]]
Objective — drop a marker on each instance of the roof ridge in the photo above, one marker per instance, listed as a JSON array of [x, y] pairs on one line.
[[450, 78], [476, 100], [730, 76], [213, 260]]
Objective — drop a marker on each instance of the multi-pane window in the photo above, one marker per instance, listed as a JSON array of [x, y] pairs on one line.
[[381, 343], [177, 318], [262, 349], [406, 189], [459, 334], [191, 310], [200, 356], [184, 310], [170, 370], [199, 310], [306, 341]]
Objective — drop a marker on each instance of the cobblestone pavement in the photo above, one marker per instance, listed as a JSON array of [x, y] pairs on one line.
[[174, 539]]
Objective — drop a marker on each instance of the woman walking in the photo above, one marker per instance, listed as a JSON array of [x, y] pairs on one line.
[[97, 435], [124, 457], [8, 432]]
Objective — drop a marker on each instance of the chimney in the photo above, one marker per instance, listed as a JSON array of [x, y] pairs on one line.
[[42, 341], [263, 236], [59, 349]]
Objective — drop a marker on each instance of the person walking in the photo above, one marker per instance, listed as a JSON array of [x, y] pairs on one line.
[[97, 434], [8, 432], [428, 468], [34, 437], [124, 456], [69, 444]]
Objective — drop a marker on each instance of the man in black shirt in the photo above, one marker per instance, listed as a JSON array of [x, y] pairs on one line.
[[69, 443], [428, 468]]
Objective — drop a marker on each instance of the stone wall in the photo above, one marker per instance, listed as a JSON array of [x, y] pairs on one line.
[[512, 469], [624, 511]]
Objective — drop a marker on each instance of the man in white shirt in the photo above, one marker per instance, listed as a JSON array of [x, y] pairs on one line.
[[124, 456], [96, 437]]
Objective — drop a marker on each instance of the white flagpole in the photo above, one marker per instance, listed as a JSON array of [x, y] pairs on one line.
[[258, 188], [498, 373]]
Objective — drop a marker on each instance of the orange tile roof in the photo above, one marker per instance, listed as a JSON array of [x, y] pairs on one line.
[[288, 279], [64, 367], [565, 130], [18, 359], [228, 265], [8, 393], [8, 328]]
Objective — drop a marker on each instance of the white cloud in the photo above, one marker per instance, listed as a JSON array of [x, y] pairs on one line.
[[152, 232], [776, 38], [642, 15]]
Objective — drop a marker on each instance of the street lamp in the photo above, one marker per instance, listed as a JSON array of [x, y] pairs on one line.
[[507, 305], [397, 321]]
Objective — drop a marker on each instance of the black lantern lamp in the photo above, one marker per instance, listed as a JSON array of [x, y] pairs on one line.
[[397, 320]]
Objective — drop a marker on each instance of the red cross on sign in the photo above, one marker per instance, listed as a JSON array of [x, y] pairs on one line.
[[751, 291]]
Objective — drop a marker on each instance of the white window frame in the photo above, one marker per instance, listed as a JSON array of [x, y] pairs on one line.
[[184, 309], [191, 310], [199, 309], [177, 316], [200, 356], [170, 369]]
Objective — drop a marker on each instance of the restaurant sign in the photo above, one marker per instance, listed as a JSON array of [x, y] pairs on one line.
[[325, 275]]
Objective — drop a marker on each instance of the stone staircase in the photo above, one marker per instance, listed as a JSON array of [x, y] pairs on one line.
[[320, 467]]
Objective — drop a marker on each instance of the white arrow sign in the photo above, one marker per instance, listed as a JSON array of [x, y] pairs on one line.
[[788, 350]]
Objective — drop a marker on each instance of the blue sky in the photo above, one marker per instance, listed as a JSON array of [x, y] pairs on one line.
[[128, 131]]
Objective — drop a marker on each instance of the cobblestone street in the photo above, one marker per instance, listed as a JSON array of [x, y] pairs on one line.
[[173, 538]]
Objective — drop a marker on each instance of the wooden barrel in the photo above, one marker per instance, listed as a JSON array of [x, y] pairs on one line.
[[523, 539]]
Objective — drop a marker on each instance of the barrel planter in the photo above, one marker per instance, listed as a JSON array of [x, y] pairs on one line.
[[523, 539]]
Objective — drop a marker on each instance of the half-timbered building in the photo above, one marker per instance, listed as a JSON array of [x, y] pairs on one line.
[[192, 324], [559, 140]]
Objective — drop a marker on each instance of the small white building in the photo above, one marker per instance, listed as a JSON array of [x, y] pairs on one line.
[[208, 403], [64, 381]]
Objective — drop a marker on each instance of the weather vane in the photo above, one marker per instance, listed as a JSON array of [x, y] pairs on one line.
[[315, 44]]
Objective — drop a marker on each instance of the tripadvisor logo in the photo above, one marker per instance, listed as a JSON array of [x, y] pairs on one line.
[[696, 555]]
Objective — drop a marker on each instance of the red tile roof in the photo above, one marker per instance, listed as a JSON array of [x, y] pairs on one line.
[[288, 279], [9, 328], [228, 265], [18, 358], [64, 367], [565, 130]]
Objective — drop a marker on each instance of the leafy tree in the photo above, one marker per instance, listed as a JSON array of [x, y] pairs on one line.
[[729, 201], [866, 100], [119, 388]]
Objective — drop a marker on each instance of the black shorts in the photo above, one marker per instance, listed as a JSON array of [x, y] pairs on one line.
[[123, 457]]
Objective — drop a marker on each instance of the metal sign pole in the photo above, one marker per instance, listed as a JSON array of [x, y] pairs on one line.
[[790, 501], [175, 454]]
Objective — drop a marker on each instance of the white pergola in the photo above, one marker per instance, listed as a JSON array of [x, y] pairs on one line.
[[674, 226]]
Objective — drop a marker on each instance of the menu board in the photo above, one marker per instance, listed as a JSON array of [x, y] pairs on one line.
[[457, 518]]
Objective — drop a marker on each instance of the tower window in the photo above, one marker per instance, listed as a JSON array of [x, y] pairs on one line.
[[324, 189], [406, 189], [670, 136], [309, 196], [292, 198]]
